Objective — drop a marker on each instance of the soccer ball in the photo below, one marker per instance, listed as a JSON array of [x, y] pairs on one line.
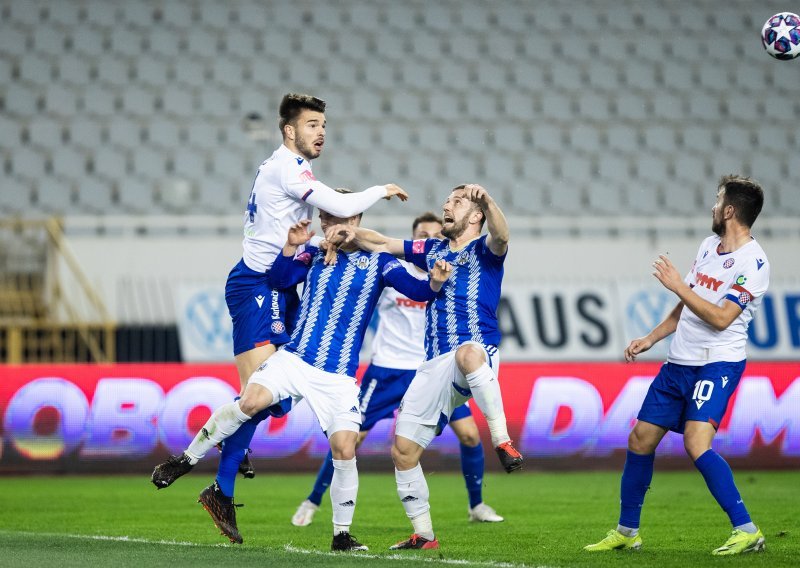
[[781, 35]]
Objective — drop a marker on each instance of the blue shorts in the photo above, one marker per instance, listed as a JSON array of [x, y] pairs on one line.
[[260, 314], [382, 390], [682, 392]]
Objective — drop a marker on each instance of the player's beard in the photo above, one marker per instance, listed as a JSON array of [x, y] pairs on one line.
[[307, 150], [718, 226], [456, 229]]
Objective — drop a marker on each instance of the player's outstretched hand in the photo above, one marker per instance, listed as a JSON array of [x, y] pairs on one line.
[[299, 233], [339, 235], [478, 194], [637, 346], [441, 271], [666, 273], [393, 189]]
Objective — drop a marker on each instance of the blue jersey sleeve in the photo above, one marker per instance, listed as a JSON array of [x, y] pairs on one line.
[[287, 272], [416, 252], [487, 253], [396, 276]]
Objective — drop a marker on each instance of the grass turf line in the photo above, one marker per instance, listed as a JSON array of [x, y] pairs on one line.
[[549, 517]]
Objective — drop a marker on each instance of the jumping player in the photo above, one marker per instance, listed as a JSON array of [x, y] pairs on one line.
[[284, 192]]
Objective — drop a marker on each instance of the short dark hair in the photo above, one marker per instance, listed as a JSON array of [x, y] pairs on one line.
[[427, 217], [293, 104], [483, 215], [745, 195]]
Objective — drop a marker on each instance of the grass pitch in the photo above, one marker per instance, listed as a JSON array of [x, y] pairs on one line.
[[124, 521]]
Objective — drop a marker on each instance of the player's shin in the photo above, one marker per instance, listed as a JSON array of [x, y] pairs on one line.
[[344, 492], [719, 479], [636, 478], [223, 422], [486, 391], [412, 488]]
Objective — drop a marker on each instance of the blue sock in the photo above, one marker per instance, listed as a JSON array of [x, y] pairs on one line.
[[719, 478], [233, 452], [323, 481], [472, 469], [636, 478]]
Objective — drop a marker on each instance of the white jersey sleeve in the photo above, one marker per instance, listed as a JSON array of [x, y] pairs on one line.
[[284, 192], [399, 342], [741, 276]]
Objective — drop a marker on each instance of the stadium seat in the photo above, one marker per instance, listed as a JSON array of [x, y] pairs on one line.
[[69, 163], [36, 70], [95, 197]]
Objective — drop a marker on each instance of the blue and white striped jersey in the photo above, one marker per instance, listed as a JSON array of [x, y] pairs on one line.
[[338, 302], [465, 309]]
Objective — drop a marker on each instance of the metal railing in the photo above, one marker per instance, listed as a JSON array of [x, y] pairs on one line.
[[49, 310]]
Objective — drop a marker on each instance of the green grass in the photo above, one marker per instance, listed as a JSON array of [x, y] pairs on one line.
[[81, 521]]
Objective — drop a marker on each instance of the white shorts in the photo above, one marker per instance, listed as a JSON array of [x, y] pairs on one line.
[[438, 388], [333, 398]]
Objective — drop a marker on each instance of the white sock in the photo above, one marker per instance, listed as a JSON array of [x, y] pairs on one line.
[[344, 491], [412, 488], [223, 422], [486, 392], [748, 528], [627, 531]]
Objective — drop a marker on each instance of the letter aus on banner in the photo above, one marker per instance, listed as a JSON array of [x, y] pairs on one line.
[[204, 326]]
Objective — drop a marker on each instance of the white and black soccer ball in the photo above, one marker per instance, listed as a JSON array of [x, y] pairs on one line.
[[781, 36]]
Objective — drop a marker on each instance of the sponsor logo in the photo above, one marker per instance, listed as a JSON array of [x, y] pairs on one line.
[[418, 246], [409, 303], [304, 257], [708, 281], [299, 161], [408, 499], [260, 300], [728, 263], [759, 263], [705, 254], [724, 381], [277, 327], [347, 504], [741, 280], [307, 176], [355, 410]]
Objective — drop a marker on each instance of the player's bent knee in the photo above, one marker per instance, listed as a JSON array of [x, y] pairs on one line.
[[469, 357], [467, 434], [255, 399], [639, 444]]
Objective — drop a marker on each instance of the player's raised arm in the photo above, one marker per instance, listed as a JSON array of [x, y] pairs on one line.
[[496, 223], [365, 239], [287, 270], [325, 198]]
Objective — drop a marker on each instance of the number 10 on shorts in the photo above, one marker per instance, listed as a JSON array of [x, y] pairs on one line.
[[702, 392]]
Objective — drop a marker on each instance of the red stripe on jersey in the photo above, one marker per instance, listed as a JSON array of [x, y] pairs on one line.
[[741, 289], [306, 194], [263, 343]]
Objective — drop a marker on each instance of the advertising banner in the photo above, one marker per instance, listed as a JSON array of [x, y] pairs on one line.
[[80, 417]]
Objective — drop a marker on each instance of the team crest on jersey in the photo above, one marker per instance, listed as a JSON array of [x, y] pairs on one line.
[[741, 280], [363, 262], [744, 298], [728, 263], [277, 327], [463, 259]]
